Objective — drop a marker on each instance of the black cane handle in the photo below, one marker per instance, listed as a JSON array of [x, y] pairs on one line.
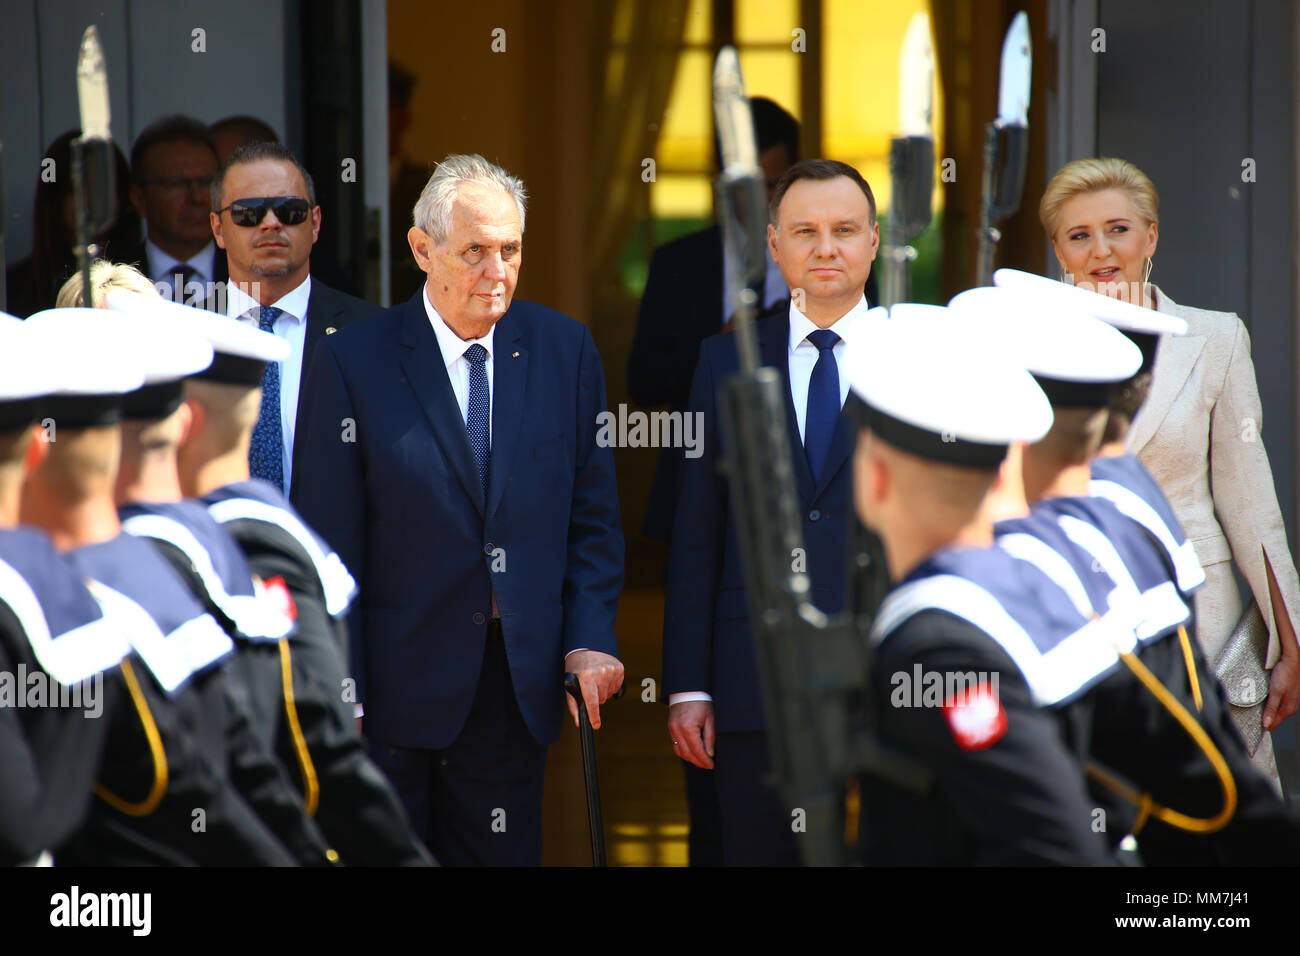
[[574, 687]]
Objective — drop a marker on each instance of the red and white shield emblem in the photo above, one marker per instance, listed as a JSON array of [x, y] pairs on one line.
[[976, 718], [278, 591]]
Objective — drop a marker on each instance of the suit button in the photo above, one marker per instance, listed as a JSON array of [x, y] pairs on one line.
[[814, 515], [479, 617], [489, 548]]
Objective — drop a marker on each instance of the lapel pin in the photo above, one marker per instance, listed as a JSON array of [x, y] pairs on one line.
[[330, 330], [514, 355]]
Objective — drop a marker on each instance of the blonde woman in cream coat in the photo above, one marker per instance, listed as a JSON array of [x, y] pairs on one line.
[[1200, 428]]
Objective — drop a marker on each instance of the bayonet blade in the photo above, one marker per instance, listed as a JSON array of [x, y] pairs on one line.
[[916, 79], [92, 87], [1017, 65]]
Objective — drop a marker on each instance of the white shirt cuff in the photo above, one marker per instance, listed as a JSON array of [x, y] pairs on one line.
[[575, 650], [687, 696]]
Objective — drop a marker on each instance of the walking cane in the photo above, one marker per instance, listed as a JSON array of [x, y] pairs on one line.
[[588, 736]]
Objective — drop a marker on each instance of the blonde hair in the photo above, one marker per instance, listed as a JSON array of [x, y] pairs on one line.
[[1083, 176], [231, 411], [104, 277]]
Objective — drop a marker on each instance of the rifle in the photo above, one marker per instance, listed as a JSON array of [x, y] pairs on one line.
[[93, 159], [911, 161], [814, 668], [1006, 146]]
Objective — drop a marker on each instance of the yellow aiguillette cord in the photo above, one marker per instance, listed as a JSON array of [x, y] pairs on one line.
[[149, 803]]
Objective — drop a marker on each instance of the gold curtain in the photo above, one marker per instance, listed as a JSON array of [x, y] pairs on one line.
[[636, 44], [968, 47]]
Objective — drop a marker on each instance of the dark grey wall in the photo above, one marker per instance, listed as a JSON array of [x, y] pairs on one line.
[[1188, 90], [153, 69]]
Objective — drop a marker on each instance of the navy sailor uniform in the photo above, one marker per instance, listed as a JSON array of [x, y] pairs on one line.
[[355, 804], [1134, 740], [51, 627], [1125, 482], [203, 754], [1008, 787]]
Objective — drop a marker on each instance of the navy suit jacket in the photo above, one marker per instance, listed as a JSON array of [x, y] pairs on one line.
[[708, 645], [396, 492], [328, 310]]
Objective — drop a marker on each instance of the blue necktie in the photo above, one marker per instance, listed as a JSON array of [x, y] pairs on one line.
[[266, 453], [480, 411], [823, 402]]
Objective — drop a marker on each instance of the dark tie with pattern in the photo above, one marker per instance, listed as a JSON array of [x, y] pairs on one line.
[[823, 402], [480, 410], [266, 453]]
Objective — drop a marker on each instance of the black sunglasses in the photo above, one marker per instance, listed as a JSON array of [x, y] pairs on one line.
[[290, 210]]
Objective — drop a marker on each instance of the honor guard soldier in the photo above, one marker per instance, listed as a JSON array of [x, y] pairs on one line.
[[1185, 785], [974, 648], [1118, 475], [54, 640], [183, 780], [243, 522]]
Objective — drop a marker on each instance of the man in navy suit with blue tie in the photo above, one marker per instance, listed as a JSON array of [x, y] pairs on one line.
[[824, 236], [455, 469]]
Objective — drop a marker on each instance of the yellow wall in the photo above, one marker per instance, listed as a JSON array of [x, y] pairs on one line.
[[860, 47]]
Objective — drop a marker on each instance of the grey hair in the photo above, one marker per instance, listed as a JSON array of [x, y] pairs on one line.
[[432, 212]]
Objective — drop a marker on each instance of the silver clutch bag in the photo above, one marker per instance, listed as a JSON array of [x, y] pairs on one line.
[[1240, 668]]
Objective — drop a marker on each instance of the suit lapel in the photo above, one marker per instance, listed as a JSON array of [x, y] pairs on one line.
[[421, 360], [509, 383], [774, 347], [1175, 359], [317, 319]]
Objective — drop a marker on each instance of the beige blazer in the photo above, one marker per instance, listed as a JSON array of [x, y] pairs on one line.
[[1200, 429]]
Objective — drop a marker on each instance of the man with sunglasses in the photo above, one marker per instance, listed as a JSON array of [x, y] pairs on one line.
[[264, 215], [173, 163]]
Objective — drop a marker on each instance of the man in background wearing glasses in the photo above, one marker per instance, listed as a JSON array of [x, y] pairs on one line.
[[264, 215], [173, 163]]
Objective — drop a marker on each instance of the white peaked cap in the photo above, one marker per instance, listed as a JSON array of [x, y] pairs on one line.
[[27, 369], [915, 310], [94, 350], [1052, 339], [242, 351], [933, 387], [1123, 315]]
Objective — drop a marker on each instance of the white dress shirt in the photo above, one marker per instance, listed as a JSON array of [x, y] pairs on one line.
[[292, 327], [453, 349], [162, 267], [802, 356]]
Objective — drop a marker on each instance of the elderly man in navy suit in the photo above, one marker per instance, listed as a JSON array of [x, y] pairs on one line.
[[452, 440], [824, 236]]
